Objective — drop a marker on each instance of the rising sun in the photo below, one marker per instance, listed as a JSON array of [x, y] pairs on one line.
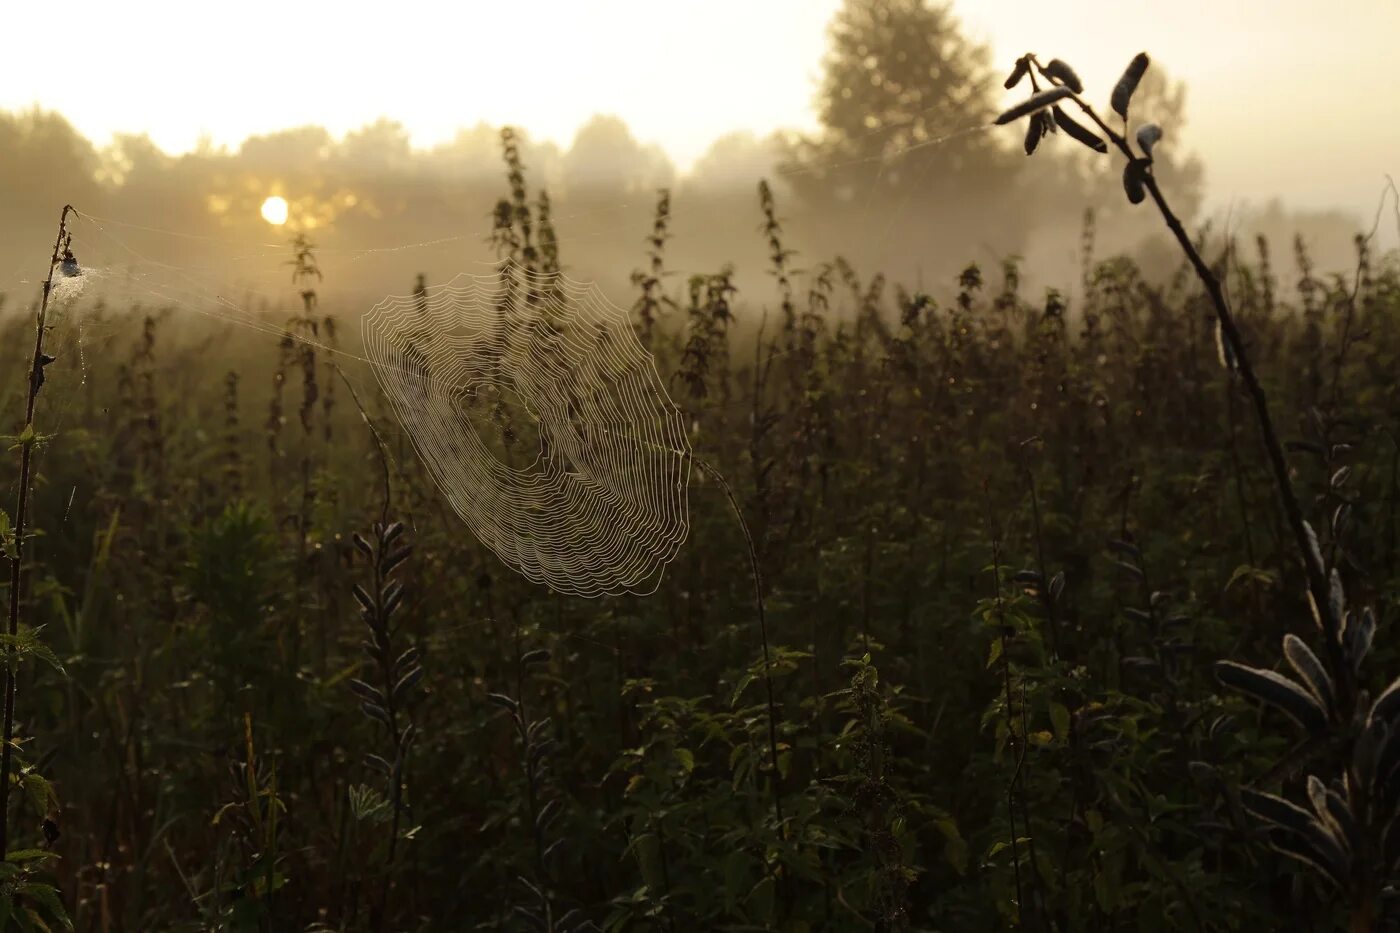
[[274, 210]]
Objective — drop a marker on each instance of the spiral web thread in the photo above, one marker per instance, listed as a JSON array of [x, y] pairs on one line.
[[543, 421]]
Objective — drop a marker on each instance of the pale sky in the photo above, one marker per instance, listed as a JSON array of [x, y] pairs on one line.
[[1290, 97]]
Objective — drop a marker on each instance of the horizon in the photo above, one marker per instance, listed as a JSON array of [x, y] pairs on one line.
[[1260, 138]]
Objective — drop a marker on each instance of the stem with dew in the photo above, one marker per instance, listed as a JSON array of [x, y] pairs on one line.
[[26, 461]]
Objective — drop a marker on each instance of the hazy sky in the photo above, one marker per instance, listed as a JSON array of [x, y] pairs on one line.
[[1297, 97]]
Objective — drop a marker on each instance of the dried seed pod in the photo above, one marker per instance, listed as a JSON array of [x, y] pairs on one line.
[[1033, 103], [1035, 129], [1064, 74], [1077, 131], [1148, 136], [1022, 68], [1133, 185], [1123, 91]]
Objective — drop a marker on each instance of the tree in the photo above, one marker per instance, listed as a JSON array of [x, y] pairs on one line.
[[900, 74], [904, 175], [607, 162]]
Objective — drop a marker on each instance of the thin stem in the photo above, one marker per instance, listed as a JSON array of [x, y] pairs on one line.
[[378, 441], [1312, 564], [26, 462], [763, 634]]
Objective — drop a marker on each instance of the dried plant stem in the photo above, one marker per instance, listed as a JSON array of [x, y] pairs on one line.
[[1293, 511], [26, 462]]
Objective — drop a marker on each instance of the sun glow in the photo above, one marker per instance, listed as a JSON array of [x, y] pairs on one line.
[[274, 210]]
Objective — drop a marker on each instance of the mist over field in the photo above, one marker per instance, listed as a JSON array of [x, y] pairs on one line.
[[751, 465], [889, 163]]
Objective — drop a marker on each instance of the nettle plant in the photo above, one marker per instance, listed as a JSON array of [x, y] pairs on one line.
[[1349, 830]]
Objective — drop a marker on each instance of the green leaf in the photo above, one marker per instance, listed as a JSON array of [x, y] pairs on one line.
[[994, 652], [1059, 718], [956, 849], [27, 855], [47, 896], [1276, 690], [686, 758], [1310, 670], [740, 688]]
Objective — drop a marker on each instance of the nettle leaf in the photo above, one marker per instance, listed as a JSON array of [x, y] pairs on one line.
[[1034, 103], [1123, 90], [1076, 131], [1310, 670], [1276, 690], [1064, 74]]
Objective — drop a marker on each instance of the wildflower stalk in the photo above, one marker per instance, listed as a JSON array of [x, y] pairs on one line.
[[1139, 176], [26, 462]]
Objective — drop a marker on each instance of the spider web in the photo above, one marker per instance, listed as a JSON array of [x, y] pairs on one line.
[[544, 423]]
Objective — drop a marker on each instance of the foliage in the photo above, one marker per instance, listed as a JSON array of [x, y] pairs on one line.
[[1004, 542]]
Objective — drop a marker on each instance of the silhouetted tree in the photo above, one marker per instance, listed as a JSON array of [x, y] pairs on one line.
[[606, 161], [900, 74]]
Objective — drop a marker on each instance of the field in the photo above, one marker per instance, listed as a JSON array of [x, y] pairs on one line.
[[985, 605], [1003, 543]]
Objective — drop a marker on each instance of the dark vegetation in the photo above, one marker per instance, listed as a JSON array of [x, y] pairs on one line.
[[1027, 570]]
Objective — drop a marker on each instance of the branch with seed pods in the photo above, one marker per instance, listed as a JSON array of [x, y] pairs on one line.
[[1139, 182], [1350, 832]]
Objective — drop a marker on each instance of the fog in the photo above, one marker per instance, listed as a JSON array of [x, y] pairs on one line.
[[893, 166]]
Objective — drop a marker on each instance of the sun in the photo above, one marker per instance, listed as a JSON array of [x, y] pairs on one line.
[[274, 210]]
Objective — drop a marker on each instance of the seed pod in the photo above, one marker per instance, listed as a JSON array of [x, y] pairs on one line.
[[1147, 136], [1033, 103], [1035, 129], [1133, 182], [1064, 74], [1123, 91], [1020, 71], [1077, 131]]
